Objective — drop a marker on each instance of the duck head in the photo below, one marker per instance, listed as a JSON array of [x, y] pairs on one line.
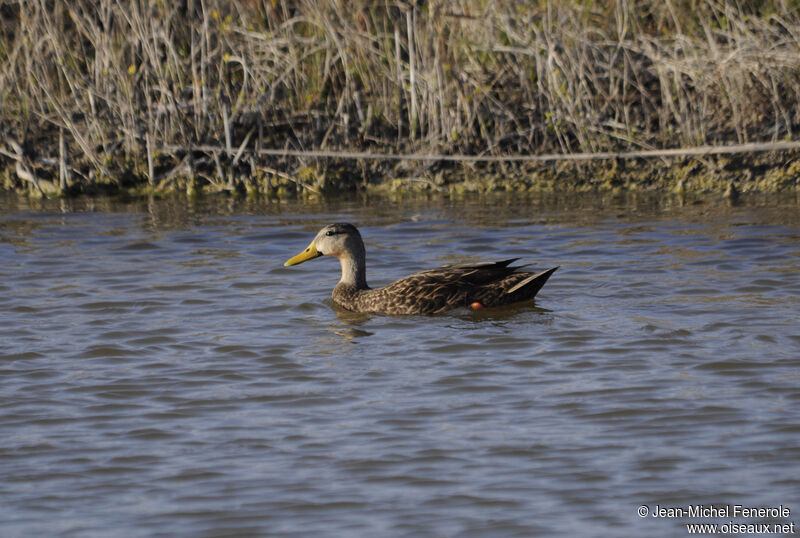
[[340, 240]]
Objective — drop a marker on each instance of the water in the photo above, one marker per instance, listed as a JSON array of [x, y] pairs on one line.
[[164, 375]]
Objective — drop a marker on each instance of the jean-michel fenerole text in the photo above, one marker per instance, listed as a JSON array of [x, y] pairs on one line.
[[707, 511]]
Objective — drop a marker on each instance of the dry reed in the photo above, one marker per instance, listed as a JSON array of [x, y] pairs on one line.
[[122, 78]]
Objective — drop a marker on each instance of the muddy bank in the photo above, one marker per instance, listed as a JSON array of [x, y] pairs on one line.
[[197, 173], [773, 172]]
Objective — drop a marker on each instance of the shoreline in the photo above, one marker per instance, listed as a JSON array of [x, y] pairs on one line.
[[724, 174]]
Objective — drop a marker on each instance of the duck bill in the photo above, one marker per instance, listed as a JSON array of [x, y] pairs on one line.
[[308, 254]]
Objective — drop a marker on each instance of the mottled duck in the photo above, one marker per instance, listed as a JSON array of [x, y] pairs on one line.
[[428, 292]]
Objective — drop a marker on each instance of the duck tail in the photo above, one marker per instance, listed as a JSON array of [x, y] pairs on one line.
[[527, 288]]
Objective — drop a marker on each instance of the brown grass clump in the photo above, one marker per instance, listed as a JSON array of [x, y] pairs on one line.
[[121, 80]]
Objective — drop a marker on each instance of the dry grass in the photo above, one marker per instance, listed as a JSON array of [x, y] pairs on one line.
[[465, 76]]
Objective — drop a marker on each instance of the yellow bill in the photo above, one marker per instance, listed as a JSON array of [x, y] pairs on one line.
[[309, 253]]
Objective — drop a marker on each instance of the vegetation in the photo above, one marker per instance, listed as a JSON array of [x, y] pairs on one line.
[[118, 92]]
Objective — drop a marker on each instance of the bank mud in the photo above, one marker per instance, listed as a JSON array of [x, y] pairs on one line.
[[728, 175]]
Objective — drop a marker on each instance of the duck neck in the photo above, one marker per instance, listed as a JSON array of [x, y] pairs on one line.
[[354, 272]]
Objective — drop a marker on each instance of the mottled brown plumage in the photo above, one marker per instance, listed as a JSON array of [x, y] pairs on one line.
[[427, 292]]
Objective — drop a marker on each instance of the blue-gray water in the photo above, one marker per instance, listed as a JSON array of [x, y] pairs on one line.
[[162, 374]]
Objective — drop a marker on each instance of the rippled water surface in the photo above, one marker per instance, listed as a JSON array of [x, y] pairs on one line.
[[162, 374]]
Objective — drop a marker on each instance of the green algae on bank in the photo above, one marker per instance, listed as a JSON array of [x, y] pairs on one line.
[[769, 172]]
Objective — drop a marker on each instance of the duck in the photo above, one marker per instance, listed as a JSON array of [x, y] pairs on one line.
[[470, 285]]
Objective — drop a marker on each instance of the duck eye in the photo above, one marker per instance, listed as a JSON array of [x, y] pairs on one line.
[[330, 232]]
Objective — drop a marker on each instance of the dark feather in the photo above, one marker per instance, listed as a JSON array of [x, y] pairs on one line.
[[448, 287]]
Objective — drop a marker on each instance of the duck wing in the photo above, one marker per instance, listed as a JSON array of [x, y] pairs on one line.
[[470, 274], [513, 288], [452, 286]]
